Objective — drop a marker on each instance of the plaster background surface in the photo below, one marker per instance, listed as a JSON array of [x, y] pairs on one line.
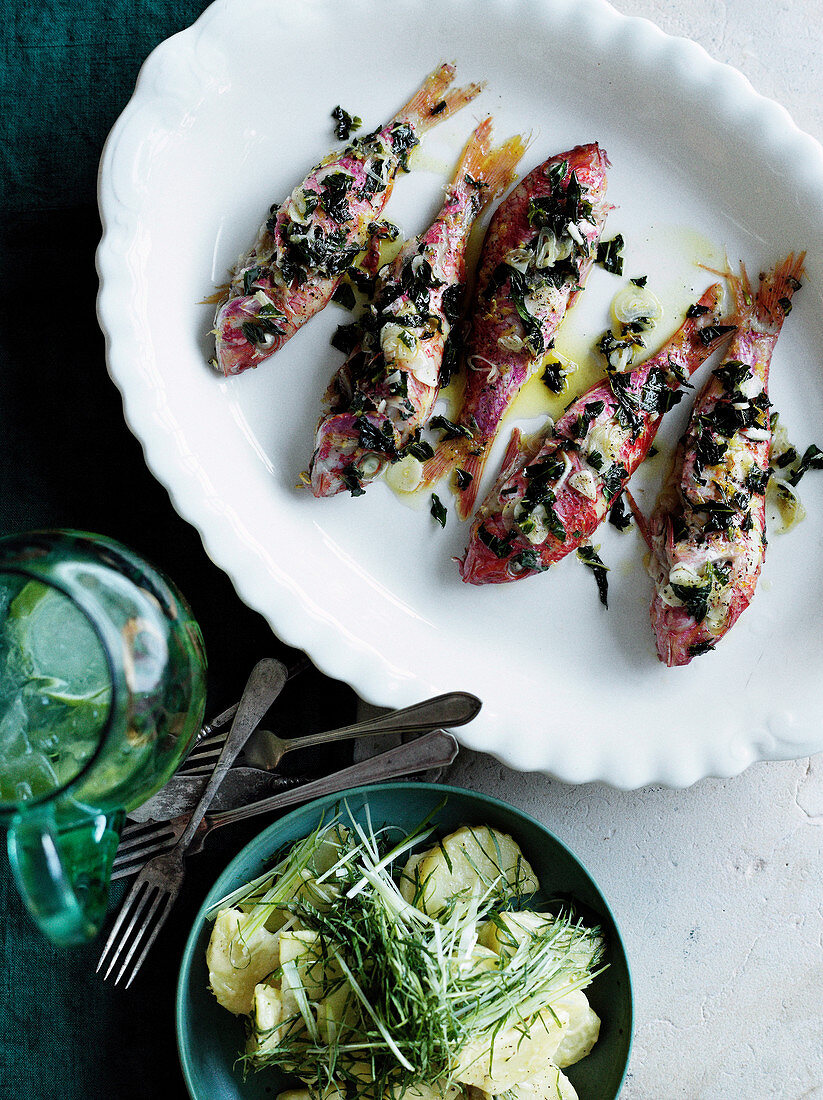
[[717, 888]]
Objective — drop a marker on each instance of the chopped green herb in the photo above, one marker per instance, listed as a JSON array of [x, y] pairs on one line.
[[438, 510], [464, 479], [498, 546], [589, 556], [618, 516], [350, 476], [527, 559], [711, 333], [701, 647], [449, 429], [346, 337], [812, 460], [696, 310], [346, 123], [344, 296], [609, 254], [553, 377], [641, 281]]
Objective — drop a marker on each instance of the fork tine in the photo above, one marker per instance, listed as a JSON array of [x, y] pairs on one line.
[[140, 938], [133, 905]]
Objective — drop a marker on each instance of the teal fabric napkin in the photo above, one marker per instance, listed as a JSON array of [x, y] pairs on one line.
[[67, 70]]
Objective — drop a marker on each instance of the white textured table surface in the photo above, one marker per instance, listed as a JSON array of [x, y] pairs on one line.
[[719, 888]]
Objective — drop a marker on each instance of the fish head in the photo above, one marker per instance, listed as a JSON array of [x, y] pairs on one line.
[[237, 321], [340, 461], [679, 638], [496, 555]]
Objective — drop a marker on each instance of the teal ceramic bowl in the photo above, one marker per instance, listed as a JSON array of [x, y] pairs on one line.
[[210, 1039]]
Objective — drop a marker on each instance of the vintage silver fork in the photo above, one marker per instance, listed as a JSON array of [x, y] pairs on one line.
[[148, 903]]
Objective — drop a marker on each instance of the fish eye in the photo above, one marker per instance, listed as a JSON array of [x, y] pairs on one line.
[[266, 340], [514, 568]]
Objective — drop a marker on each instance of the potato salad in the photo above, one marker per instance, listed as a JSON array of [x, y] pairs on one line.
[[372, 963]]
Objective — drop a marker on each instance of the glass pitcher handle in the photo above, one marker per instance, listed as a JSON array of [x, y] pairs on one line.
[[61, 858]]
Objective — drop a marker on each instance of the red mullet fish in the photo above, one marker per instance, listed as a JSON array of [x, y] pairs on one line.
[[708, 530], [386, 390], [306, 244], [553, 493], [539, 249]]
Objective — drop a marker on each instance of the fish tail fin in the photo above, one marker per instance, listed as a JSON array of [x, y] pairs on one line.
[[493, 169], [466, 455], [433, 102], [774, 296]]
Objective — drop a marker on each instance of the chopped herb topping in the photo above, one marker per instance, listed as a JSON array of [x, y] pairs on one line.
[[351, 478], [696, 310], [553, 376], [449, 429], [812, 460], [527, 559], [418, 448], [711, 333], [346, 123], [346, 337], [641, 280], [344, 296], [438, 510], [589, 556], [609, 254], [695, 598], [614, 480], [618, 516], [498, 546], [463, 478], [701, 647]]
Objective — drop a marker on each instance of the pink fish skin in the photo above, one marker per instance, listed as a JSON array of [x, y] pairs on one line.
[[708, 528], [578, 468], [537, 254], [386, 390], [306, 243]]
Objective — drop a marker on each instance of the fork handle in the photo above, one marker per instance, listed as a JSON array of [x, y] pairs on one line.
[[264, 685]]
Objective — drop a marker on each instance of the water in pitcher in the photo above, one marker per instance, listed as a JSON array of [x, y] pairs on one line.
[[55, 690]]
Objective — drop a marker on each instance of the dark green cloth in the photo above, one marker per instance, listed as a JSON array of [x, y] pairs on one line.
[[67, 69]]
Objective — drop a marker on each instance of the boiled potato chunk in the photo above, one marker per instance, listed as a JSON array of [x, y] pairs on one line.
[[331, 1093], [581, 1032], [237, 962], [507, 931], [410, 878], [267, 1018], [549, 1084], [336, 1011], [472, 859], [515, 1054], [304, 966], [420, 1090]]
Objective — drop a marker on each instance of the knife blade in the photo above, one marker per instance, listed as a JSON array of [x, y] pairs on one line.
[[240, 786]]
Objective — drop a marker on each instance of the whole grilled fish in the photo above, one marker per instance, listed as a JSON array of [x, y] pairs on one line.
[[708, 529], [553, 493], [386, 390], [538, 251], [306, 244]]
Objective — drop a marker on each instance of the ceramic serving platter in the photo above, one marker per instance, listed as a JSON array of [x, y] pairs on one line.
[[228, 117]]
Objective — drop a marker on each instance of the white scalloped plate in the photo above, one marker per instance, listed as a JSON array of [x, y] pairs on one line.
[[226, 118]]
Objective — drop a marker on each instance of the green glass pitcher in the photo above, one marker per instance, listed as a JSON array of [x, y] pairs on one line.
[[102, 690]]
